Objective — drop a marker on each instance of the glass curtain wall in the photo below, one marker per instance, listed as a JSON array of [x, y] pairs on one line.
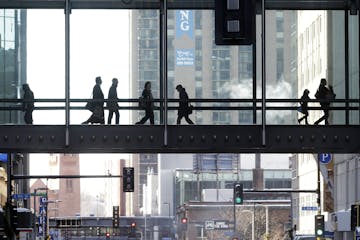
[[302, 47]]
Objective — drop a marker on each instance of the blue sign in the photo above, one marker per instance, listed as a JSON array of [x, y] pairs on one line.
[[324, 157], [184, 23], [21, 196], [3, 157], [185, 57], [309, 208]]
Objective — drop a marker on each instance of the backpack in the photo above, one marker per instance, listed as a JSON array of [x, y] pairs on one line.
[[330, 95]]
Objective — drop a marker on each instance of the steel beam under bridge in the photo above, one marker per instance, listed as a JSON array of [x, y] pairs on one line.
[[180, 139]]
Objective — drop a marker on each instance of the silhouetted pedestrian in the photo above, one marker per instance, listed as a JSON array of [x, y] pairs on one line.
[[324, 94], [112, 103], [304, 106], [98, 105], [149, 104], [28, 103], [184, 108]]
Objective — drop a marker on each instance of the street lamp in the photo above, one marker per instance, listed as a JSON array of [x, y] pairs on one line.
[[47, 215], [35, 190], [167, 203]]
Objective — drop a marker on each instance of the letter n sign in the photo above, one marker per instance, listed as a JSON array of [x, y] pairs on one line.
[[128, 179]]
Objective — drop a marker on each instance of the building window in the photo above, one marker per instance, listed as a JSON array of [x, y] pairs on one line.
[[69, 185]]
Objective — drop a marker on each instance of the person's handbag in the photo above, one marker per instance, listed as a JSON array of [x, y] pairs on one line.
[[299, 109], [90, 106], [142, 102], [190, 109]]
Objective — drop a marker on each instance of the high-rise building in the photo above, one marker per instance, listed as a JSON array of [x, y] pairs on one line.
[[321, 53], [12, 76], [206, 71]]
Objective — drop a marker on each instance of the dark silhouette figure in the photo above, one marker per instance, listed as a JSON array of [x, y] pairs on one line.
[[324, 94], [98, 105], [304, 106], [184, 109], [28, 104], [112, 102], [149, 104]]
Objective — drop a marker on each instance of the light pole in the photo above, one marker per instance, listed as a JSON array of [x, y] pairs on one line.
[[97, 205], [167, 203], [35, 190], [47, 215]]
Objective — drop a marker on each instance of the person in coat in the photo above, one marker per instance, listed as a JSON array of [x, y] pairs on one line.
[[324, 94], [184, 109], [28, 103], [112, 103], [149, 104], [304, 107], [98, 104]]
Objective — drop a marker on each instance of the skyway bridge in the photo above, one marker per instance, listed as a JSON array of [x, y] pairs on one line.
[[180, 138]]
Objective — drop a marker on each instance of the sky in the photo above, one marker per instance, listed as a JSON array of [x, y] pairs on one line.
[[99, 46]]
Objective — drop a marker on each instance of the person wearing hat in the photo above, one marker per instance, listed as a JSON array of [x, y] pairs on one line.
[[28, 103], [184, 109], [112, 103]]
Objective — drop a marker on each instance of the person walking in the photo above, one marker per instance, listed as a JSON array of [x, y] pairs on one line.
[[324, 94], [112, 103], [149, 104], [98, 105], [28, 103], [304, 106], [184, 109]]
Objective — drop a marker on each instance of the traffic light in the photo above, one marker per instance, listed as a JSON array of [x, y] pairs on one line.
[[132, 232], [107, 235], [115, 218], [128, 179], [238, 193], [234, 22], [355, 216], [184, 223], [98, 232], [319, 225]]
